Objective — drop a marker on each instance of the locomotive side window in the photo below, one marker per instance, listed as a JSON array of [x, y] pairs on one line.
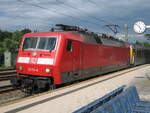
[[69, 45]]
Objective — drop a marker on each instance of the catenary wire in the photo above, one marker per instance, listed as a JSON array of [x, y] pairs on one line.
[[78, 10], [38, 6]]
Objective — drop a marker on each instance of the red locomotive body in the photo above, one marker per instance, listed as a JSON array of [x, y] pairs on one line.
[[60, 57]]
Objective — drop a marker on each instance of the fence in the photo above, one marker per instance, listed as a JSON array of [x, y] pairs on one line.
[[121, 100]]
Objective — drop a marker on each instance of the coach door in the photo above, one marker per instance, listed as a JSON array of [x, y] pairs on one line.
[[76, 59]]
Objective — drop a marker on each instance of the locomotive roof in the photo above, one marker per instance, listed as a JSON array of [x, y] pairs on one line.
[[82, 37], [72, 35], [80, 34]]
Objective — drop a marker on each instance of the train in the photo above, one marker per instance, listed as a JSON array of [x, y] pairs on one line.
[[71, 53], [141, 54]]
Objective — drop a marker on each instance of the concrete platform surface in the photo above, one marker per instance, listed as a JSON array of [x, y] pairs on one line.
[[71, 98]]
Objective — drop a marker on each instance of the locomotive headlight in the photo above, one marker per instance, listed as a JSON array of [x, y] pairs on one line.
[[47, 70], [20, 68]]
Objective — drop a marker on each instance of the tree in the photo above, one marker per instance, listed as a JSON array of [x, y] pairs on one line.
[[10, 40], [24, 31], [4, 35], [138, 43], [146, 44]]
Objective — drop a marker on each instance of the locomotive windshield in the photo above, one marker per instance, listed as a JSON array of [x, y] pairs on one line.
[[39, 43]]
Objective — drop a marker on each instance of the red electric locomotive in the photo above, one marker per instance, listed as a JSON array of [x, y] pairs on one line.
[[67, 54]]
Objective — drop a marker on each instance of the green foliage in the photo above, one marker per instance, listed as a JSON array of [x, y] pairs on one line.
[[138, 43], [146, 44], [24, 31], [9, 41], [5, 34], [5, 68]]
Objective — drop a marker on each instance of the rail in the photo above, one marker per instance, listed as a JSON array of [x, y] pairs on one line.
[[5, 77], [61, 88]]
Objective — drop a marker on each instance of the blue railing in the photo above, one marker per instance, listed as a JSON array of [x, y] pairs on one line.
[[120, 100]]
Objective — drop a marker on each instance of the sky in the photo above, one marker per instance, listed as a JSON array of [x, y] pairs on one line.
[[41, 15]]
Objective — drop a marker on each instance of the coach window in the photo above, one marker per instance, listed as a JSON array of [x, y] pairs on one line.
[[69, 45]]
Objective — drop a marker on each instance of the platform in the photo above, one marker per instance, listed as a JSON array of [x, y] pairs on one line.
[[71, 98]]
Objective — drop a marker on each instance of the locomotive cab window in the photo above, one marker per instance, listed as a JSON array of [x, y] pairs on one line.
[[39, 43], [69, 45]]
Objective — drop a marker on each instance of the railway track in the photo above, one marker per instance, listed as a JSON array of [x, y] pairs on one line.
[[7, 91], [8, 88], [21, 96], [5, 77]]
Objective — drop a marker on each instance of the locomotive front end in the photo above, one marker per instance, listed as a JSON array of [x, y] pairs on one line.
[[35, 62]]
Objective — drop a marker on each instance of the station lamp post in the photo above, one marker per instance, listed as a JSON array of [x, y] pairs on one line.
[[126, 31]]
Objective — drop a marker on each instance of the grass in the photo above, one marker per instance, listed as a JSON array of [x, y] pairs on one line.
[[5, 68]]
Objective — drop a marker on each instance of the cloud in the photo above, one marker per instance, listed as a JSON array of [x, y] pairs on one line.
[[87, 13]]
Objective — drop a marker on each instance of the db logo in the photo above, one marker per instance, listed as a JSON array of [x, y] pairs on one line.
[[33, 60]]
